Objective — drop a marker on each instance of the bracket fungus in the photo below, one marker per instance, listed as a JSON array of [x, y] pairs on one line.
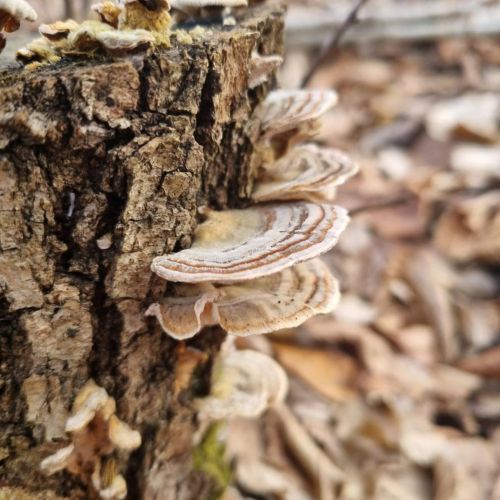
[[12, 12], [96, 432], [244, 384], [287, 110], [235, 245], [306, 172], [262, 305], [58, 31], [108, 12], [261, 67]]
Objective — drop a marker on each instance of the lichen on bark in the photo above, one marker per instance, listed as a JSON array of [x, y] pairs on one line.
[[126, 150]]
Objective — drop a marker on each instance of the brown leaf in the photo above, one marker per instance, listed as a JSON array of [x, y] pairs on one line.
[[331, 373]]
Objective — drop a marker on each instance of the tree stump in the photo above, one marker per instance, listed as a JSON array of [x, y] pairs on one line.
[[103, 166]]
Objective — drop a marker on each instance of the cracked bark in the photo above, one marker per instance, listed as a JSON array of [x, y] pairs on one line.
[[124, 152]]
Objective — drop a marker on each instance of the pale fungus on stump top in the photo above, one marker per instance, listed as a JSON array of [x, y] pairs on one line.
[[236, 245], [256, 306]]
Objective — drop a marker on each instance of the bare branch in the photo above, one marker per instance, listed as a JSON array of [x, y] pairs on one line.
[[329, 51]]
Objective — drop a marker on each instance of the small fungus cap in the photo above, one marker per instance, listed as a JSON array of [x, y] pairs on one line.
[[58, 30], [123, 41], [261, 67], [304, 173], [18, 9], [236, 245], [285, 110], [244, 384], [262, 305]]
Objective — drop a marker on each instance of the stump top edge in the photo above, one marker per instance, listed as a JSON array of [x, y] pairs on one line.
[[247, 25]]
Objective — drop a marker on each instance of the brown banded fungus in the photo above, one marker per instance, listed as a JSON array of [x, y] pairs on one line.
[[96, 432], [244, 384], [290, 116], [307, 172], [261, 67], [12, 12], [257, 306], [235, 245]]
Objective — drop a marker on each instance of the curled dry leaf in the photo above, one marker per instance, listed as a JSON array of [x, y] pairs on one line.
[[470, 116], [286, 110], [261, 67], [470, 229], [262, 305], [244, 384], [486, 363], [333, 374], [306, 172], [235, 245]]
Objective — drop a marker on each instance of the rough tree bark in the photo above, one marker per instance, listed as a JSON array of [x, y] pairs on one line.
[[124, 152]]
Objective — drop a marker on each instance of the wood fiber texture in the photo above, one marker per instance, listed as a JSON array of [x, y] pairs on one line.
[[122, 151]]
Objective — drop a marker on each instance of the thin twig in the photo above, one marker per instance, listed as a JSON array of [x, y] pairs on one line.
[[332, 47]]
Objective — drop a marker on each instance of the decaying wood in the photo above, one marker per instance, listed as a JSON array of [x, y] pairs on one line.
[[103, 165]]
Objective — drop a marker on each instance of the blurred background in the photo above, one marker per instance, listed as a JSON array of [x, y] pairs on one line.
[[395, 396]]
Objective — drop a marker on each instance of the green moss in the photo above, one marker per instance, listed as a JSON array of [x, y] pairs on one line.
[[208, 457]]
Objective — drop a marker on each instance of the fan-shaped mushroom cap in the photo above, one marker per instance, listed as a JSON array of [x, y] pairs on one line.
[[262, 305], [89, 401], [12, 12], [235, 245], [38, 50], [124, 41], [58, 30], [122, 436], [286, 110], [58, 461], [84, 37], [304, 173], [108, 12], [244, 383], [261, 67]]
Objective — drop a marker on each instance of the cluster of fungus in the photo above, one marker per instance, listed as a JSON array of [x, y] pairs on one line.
[[123, 27], [257, 270], [96, 434]]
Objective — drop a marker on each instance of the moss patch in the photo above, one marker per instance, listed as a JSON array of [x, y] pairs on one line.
[[208, 457]]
